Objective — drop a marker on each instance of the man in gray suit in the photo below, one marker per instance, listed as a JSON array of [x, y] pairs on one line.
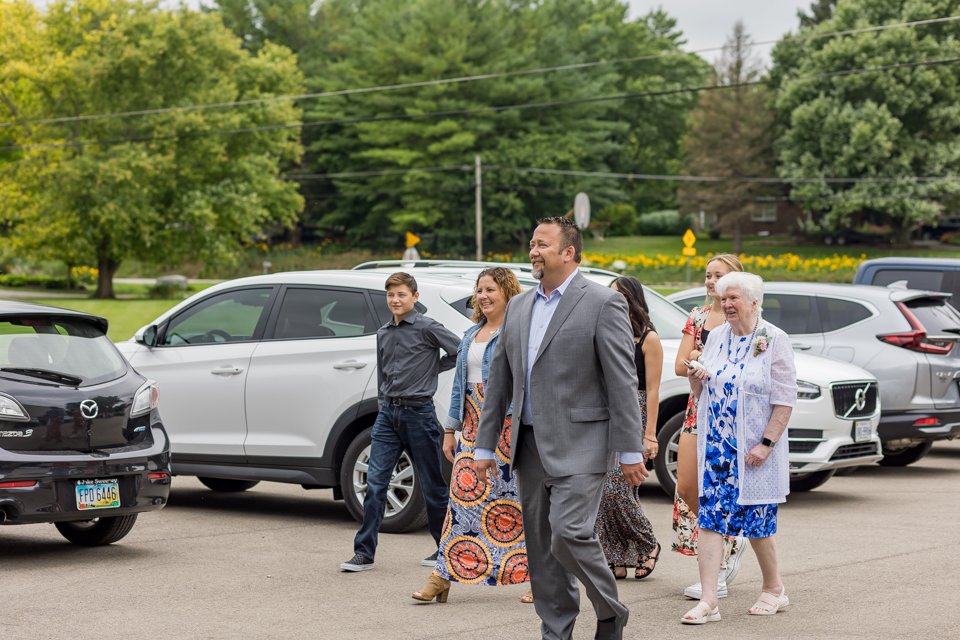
[[565, 360]]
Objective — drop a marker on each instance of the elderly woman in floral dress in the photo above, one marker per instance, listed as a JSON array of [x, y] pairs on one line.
[[747, 385]]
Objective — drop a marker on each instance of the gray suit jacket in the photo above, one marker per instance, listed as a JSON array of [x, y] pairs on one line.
[[583, 383]]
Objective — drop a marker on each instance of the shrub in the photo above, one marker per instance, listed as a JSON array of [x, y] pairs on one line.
[[662, 223], [168, 288], [616, 219], [42, 282]]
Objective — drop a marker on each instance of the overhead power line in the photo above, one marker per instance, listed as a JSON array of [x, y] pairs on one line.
[[634, 177], [745, 179], [475, 111], [456, 80]]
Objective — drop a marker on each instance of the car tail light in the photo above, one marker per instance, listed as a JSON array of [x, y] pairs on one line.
[[916, 339], [158, 477], [18, 484], [146, 398], [10, 409], [926, 422]]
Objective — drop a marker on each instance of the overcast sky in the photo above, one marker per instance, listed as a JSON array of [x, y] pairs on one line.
[[707, 23]]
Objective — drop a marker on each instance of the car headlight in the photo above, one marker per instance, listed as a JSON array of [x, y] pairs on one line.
[[146, 399], [10, 409], [807, 390]]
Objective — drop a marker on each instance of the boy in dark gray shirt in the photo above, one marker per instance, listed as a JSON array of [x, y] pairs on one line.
[[408, 361]]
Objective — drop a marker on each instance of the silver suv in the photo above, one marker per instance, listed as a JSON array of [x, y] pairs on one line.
[[907, 338]]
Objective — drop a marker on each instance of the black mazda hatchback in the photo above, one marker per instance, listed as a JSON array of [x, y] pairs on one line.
[[81, 442]]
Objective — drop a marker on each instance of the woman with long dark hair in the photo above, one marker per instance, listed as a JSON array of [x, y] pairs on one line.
[[624, 530]]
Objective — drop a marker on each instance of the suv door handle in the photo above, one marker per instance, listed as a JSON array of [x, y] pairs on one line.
[[227, 371], [799, 346], [349, 364]]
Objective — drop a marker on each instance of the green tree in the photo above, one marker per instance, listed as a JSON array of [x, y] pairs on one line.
[[731, 137], [657, 125], [162, 187], [820, 11], [885, 128], [397, 41]]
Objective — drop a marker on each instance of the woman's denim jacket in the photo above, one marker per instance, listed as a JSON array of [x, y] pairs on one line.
[[455, 418]]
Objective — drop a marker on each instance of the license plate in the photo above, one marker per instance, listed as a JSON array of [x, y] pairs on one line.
[[98, 494], [862, 431]]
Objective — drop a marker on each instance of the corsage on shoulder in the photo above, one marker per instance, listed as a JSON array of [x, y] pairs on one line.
[[761, 342]]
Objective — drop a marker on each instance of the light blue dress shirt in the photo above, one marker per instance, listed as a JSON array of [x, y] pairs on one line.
[[543, 310]]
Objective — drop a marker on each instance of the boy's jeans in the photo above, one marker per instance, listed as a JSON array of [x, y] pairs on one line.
[[416, 429]]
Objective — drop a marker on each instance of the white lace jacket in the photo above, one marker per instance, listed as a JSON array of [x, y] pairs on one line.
[[769, 378]]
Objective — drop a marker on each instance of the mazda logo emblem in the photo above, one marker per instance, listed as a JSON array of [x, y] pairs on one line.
[[89, 409]]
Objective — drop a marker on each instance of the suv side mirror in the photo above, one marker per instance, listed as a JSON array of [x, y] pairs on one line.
[[147, 336]]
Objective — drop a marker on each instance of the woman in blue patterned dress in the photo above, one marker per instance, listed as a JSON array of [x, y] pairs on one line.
[[747, 385], [482, 541]]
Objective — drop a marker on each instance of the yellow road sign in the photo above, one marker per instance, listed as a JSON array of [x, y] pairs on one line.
[[688, 251], [412, 239], [688, 240]]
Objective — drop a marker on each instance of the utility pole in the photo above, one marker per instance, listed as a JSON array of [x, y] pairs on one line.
[[479, 199]]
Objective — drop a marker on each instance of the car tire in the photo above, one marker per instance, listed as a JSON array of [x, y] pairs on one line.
[[903, 456], [227, 485], [810, 481], [665, 463], [411, 514], [97, 532]]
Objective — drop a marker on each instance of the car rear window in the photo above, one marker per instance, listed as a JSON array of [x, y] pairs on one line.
[[324, 313], [50, 346], [916, 278], [936, 316], [464, 306], [837, 314], [794, 314]]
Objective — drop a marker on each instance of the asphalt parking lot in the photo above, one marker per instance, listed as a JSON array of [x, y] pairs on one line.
[[872, 554]]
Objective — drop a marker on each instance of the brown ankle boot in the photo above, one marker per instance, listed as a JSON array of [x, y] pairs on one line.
[[436, 587]]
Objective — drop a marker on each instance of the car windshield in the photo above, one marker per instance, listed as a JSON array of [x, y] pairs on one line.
[[65, 350]]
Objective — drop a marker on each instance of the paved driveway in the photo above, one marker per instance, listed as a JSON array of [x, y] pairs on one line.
[[869, 555]]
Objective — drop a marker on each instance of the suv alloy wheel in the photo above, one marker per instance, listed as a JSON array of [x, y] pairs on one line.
[[405, 507]]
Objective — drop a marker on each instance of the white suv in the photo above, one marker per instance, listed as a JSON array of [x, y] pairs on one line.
[[273, 378]]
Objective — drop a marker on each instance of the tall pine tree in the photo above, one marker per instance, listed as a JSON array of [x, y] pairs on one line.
[[730, 138]]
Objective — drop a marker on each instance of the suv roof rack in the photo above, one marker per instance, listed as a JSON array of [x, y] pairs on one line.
[[479, 264]]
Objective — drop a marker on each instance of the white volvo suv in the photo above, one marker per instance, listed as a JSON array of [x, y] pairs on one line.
[[272, 378]]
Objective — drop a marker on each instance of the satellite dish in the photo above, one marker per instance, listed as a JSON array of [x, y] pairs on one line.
[[581, 210]]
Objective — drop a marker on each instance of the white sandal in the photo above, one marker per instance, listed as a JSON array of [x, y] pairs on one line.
[[769, 604], [701, 614]]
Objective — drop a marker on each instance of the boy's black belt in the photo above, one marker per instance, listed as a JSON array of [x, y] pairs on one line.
[[408, 402]]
